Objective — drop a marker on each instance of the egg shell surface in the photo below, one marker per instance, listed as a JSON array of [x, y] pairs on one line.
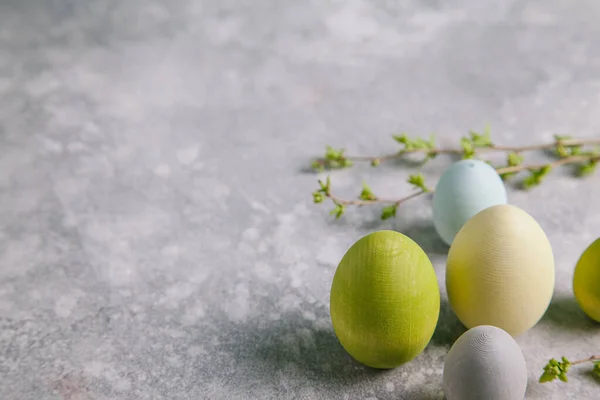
[[485, 362], [464, 189], [385, 300], [586, 281], [500, 270]]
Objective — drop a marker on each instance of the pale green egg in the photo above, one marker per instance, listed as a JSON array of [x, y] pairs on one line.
[[385, 300], [586, 281]]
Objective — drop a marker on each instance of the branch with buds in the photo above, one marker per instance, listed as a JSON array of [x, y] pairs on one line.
[[559, 369], [566, 150]]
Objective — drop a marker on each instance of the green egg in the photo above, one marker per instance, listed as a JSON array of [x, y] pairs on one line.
[[385, 300], [586, 281]]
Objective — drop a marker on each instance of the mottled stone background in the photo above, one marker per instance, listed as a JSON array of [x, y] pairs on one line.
[[157, 236]]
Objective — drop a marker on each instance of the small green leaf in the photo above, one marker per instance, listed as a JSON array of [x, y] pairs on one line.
[[338, 211], [405, 140], [507, 175], [418, 180], [563, 377], [575, 150], [317, 165], [388, 212], [402, 138], [467, 146], [325, 186], [465, 143], [545, 170], [530, 181], [335, 158], [559, 138], [562, 151], [587, 168], [481, 140], [430, 155], [514, 159], [421, 144], [414, 144], [597, 368], [367, 193], [547, 377], [332, 154], [536, 176], [317, 197], [375, 162]]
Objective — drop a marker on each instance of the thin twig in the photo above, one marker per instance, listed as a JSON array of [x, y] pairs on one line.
[[493, 148], [402, 153], [557, 163], [589, 359], [397, 202], [547, 146]]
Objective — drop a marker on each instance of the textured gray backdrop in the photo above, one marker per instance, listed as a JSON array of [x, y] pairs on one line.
[[157, 236]]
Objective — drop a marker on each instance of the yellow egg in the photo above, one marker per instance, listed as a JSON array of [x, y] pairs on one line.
[[586, 281], [385, 300], [500, 270]]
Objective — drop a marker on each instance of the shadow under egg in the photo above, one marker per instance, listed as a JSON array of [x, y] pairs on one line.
[[294, 345], [449, 328], [425, 235], [564, 311], [422, 232]]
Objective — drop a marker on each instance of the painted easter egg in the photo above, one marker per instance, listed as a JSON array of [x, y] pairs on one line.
[[464, 189], [586, 281], [500, 270], [485, 362], [385, 300]]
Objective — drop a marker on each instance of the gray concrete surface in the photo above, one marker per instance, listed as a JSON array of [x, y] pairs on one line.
[[157, 236]]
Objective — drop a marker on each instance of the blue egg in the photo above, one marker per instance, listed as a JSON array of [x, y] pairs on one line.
[[465, 188]]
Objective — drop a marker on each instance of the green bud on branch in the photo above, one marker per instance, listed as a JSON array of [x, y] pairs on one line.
[[389, 212], [338, 211], [418, 181], [558, 369], [536, 176], [367, 193]]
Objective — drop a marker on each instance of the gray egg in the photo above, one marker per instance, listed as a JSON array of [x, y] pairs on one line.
[[485, 363]]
